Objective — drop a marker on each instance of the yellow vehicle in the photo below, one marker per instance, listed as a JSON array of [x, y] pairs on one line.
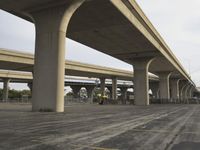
[[102, 99]]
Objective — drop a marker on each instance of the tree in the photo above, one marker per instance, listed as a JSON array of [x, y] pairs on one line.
[[16, 94]]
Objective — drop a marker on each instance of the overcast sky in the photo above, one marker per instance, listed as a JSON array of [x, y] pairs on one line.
[[178, 22]]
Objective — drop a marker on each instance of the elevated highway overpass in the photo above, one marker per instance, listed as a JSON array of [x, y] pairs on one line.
[[19, 67], [116, 27], [20, 61], [74, 82]]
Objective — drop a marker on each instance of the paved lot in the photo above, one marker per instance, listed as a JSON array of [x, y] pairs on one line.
[[94, 127]]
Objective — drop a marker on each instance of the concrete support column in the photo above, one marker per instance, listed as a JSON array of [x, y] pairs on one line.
[[191, 91], [49, 68], [90, 92], [110, 90], [102, 86], [184, 93], [182, 86], [164, 86], [141, 80], [30, 85], [187, 93], [114, 88], [174, 85], [76, 90], [154, 86], [5, 89], [124, 94]]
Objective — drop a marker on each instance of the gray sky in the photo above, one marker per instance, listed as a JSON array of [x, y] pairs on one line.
[[178, 22]]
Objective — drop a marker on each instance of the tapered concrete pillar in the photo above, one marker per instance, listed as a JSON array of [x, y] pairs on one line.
[[187, 93], [184, 91], [5, 89], [102, 86], [191, 91], [48, 83], [110, 90], [30, 85], [182, 85], [164, 86], [114, 88], [174, 86], [76, 90], [90, 92], [124, 94], [154, 86], [141, 81]]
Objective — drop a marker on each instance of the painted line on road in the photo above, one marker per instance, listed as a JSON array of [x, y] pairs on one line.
[[91, 147], [164, 131]]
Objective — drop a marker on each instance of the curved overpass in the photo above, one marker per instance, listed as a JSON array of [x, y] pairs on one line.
[[116, 27], [128, 22]]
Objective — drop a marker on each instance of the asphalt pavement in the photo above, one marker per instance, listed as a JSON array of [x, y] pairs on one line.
[[96, 127]]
